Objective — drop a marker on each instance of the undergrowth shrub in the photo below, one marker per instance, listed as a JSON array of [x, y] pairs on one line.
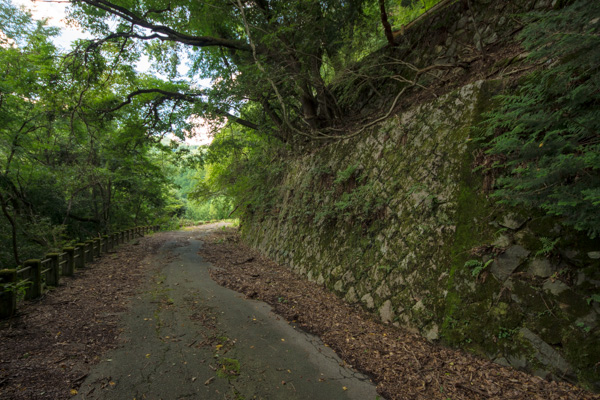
[[546, 133]]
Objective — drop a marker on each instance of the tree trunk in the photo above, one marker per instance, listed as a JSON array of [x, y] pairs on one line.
[[13, 225], [387, 28]]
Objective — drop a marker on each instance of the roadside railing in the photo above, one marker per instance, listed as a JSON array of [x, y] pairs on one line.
[[35, 276]]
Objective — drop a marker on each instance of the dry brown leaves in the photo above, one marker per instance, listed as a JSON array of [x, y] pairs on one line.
[[47, 350], [403, 364]]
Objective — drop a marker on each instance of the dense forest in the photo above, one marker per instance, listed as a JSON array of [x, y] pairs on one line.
[[435, 162], [89, 144]]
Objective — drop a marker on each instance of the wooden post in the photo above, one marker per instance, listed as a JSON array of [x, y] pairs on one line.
[[89, 246], [105, 244], [53, 276], [34, 290], [8, 293], [80, 252], [69, 269]]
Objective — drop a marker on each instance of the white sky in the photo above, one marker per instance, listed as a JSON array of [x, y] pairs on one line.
[[55, 13]]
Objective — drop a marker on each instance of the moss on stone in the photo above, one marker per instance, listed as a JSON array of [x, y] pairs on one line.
[[411, 256]]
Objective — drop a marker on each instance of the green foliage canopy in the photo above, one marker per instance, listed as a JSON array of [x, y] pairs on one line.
[[75, 157], [267, 60]]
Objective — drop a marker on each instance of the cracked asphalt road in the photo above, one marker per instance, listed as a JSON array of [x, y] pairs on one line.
[[185, 337]]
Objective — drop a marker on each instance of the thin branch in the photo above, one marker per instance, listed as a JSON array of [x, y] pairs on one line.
[[189, 97]]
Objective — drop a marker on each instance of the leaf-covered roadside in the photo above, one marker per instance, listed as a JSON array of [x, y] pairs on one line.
[[403, 364], [47, 350]]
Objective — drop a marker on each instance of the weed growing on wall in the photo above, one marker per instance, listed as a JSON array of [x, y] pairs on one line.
[[353, 195], [546, 132]]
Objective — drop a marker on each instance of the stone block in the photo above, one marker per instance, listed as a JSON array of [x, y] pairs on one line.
[[386, 312], [541, 267], [367, 299], [555, 287], [508, 262], [545, 353]]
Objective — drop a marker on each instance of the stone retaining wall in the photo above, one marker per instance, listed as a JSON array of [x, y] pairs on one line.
[[397, 221]]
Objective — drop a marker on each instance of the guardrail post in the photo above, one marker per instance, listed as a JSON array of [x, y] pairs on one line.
[[8, 292], [53, 276], [70, 264], [80, 259], [89, 246], [34, 274]]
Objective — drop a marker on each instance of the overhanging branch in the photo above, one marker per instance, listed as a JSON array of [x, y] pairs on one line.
[[188, 97], [161, 32]]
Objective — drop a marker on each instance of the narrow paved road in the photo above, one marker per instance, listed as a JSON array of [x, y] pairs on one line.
[[185, 337]]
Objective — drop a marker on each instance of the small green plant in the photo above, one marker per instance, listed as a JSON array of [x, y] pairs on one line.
[[386, 268], [548, 246], [19, 288], [505, 333], [477, 266], [345, 175], [501, 231], [229, 368], [594, 297], [583, 327]]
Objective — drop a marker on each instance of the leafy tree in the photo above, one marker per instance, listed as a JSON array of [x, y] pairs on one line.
[[77, 156], [268, 60]]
